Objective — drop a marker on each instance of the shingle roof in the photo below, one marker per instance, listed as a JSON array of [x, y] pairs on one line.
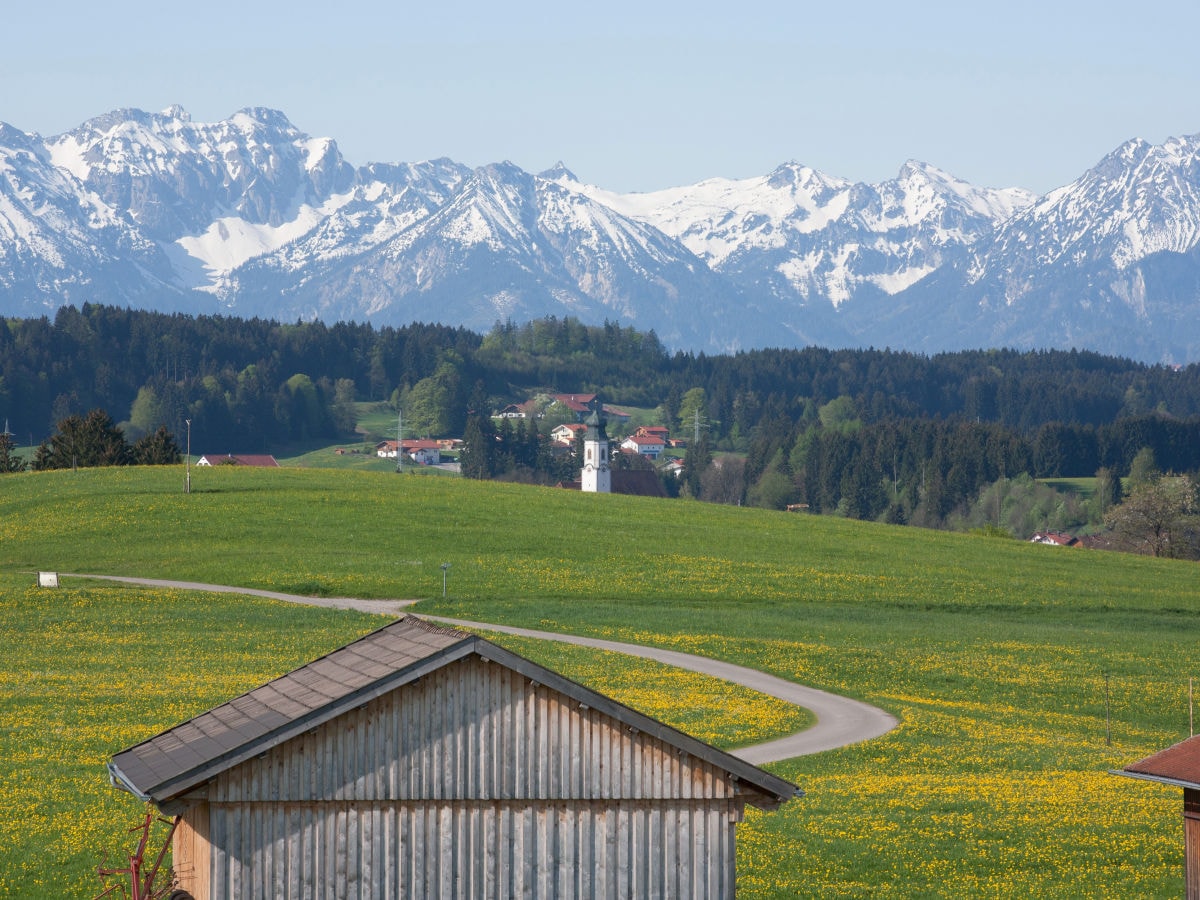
[[189, 754], [1178, 764], [193, 751]]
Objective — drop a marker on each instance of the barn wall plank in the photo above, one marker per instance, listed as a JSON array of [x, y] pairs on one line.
[[473, 781]]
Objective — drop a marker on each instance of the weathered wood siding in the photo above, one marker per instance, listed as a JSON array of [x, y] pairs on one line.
[[472, 782]]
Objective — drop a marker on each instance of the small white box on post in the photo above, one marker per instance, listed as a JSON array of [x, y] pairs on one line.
[[48, 579]]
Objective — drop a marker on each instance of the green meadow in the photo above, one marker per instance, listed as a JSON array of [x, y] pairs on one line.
[[1021, 674]]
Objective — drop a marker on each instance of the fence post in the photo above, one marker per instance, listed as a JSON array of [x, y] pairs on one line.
[[1107, 713]]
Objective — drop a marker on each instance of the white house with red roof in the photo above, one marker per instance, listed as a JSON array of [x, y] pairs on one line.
[[564, 435], [649, 446], [660, 431], [426, 452]]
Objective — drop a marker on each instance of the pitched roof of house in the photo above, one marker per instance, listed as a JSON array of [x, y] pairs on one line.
[[1057, 538], [645, 440], [575, 402], [184, 757], [241, 459], [1178, 764]]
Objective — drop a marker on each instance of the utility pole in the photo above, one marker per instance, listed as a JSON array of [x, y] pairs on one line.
[[187, 481], [399, 441]]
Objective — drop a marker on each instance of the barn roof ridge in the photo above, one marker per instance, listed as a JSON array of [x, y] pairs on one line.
[[183, 757], [1178, 764]]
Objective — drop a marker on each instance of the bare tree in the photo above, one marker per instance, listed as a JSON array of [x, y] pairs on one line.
[[1159, 518], [724, 481]]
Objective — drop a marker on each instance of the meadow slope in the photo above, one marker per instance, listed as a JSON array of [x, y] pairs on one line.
[[997, 656]]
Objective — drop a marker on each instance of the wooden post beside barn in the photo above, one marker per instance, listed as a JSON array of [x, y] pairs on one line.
[[423, 761]]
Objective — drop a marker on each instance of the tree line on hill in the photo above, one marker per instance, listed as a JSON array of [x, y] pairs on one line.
[[92, 440], [872, 434]]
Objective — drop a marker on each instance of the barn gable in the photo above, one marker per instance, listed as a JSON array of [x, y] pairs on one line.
[[421, 753]]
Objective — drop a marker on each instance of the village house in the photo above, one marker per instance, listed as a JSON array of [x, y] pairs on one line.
[[658, 431], [647, 445], [581, 406], [422, 761], [1054, 539], [565, 435], [425, 452]]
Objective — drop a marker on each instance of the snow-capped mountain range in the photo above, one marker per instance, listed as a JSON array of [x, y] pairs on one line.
[[251, 217]]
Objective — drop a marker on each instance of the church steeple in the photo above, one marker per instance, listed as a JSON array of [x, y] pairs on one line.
[[597, 473]]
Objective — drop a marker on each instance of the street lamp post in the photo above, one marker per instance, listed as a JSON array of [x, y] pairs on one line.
[[187, 482], [445, 566]]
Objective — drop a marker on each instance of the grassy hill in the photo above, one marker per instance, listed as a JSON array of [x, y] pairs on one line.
[[997, 656]]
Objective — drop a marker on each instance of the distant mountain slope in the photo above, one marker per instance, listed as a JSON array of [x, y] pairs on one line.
[[253, 217]]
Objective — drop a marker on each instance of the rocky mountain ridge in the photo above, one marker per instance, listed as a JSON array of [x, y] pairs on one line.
[[251, 216]]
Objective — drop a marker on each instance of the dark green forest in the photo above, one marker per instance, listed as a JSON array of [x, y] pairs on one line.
[[875, 434]]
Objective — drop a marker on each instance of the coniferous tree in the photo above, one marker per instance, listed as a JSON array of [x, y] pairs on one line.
[[696, 460], [9, 461], [156, 449], [478, 456], [84, 442]]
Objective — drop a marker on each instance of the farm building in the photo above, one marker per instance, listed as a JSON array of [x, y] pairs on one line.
[[424, 761], [1179, 765], [261, 460]]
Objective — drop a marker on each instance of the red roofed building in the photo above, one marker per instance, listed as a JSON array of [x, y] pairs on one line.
[[576, 403], [659, 431], [1054, 538], [649, 446], [579, 404], [262, 460], [421, 451], [1179, 765]]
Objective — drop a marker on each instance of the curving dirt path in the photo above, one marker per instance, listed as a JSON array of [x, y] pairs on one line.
[[840, 720]]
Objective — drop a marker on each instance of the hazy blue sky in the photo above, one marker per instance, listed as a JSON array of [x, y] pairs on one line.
[[638, 96]]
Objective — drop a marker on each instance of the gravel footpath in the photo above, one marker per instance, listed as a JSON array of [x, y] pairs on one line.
[[841, 721]]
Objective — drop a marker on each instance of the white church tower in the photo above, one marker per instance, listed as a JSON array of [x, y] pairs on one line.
[[597, 473]]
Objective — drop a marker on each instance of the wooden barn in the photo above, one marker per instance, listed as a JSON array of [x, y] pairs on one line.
[[422, 761], [1179, 765]]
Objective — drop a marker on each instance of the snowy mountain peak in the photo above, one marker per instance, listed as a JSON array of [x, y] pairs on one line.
[[252, 216], [559, 172], [253, 118], [176, 111], [805, 179]]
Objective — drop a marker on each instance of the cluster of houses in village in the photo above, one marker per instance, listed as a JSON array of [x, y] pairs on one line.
[[649, 441]]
